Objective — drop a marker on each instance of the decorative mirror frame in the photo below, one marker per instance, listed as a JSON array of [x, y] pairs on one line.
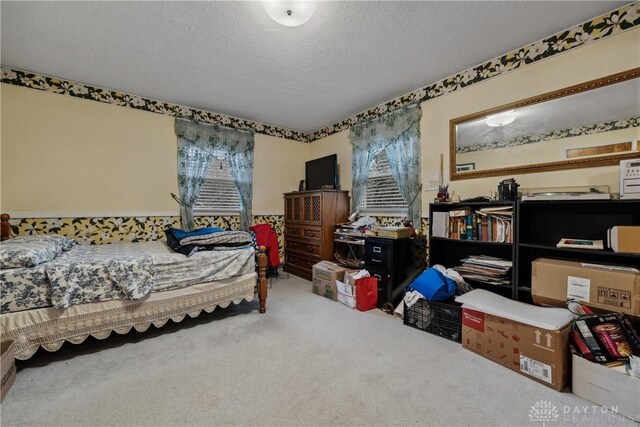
[[611, 159]]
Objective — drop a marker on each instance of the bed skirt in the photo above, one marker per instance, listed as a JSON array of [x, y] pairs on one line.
[[50, 327]]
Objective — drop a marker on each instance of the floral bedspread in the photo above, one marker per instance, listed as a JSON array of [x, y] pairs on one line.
[[89, 273]]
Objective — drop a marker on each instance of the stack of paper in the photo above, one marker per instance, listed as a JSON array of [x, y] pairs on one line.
[[486, 269]]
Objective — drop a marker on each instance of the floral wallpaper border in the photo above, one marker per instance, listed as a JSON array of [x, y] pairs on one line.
[[630, 122], [79, 90], [105, 230], [609, 24]]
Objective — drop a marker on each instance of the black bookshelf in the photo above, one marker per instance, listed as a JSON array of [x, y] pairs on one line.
[[538, 226], [448, 252], [541, 224]]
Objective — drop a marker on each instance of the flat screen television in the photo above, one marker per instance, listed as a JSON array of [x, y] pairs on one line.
[[321, 173]]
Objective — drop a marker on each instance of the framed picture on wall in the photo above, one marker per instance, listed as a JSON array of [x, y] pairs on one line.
[[463, 167]]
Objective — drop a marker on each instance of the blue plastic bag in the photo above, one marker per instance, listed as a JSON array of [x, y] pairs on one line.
[[434, 286]]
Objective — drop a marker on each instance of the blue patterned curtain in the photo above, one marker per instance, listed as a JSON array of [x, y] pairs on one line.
[[398, 133], [197, 144]]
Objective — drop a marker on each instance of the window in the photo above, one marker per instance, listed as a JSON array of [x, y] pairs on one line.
[[382, 191], [218, 193]]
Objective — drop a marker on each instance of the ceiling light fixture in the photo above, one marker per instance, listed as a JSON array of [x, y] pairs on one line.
[[290, 13], [501, 119]]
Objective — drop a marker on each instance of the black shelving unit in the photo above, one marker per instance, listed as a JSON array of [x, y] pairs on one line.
[[542, 224], [448, 252], [538, 227]]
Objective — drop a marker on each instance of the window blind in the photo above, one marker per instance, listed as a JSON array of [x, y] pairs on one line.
[[218, 193], [381, 190]]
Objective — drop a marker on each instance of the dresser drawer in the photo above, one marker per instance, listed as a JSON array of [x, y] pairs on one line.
[[293, 231], [308, 249], [314, 233], [299, 261], [311, 233]]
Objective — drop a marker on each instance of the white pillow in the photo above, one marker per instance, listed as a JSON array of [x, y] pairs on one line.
[[29, 251]]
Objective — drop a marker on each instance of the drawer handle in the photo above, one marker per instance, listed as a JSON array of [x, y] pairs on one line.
[[310, 248], [312, 234], [377, 276], [377, 249], [376, 260]]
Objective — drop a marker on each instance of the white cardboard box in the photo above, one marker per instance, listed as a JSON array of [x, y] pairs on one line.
[[347, 300], [606, 387], [346, 288]]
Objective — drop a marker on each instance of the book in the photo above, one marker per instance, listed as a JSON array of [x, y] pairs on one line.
[[460, 212], [469, 226], [484, 229], [440, 224], [580, 244]]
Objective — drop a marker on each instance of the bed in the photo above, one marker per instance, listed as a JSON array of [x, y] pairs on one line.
[[83, 290]]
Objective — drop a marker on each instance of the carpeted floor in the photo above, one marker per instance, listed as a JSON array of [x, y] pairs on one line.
[[308, 361]]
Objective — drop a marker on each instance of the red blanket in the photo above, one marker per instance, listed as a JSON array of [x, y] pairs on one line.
[[268, 238]]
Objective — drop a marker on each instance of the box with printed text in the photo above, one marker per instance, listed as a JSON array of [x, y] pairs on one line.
[[325, 274], [605, 287], [537, 353]]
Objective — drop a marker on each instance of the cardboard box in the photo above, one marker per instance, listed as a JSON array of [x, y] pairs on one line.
[[349, 301], [325, 274], [624, 238], [7, 367], [540, 354], [554, 281], [346, 289], [607, 387], [350, 281], [393, 232]]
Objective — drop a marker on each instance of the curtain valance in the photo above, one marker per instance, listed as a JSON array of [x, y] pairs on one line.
[[197, 144], [398, 133]]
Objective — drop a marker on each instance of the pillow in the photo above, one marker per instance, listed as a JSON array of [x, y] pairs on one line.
[[29, 251]]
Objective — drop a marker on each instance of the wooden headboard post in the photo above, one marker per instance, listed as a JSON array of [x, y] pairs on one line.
[[5, 227]]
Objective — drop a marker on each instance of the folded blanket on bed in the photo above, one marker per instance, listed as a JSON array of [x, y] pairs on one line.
[[79, 282], [182, 234], [206, 240], [222, 238]]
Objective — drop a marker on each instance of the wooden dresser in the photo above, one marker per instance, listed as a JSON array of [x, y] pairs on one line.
[[309, 220]]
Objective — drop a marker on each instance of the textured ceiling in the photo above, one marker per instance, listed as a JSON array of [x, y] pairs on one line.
[[231, 58]]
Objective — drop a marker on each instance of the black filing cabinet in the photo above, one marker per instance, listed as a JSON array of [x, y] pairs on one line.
[[394, 262]]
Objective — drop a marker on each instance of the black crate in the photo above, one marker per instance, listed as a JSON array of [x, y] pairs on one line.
[[438, 318]]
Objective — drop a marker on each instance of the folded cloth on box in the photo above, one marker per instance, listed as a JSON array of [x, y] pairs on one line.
[[540, 317]]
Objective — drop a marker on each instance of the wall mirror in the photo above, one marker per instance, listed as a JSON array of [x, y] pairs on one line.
[[590, 124]]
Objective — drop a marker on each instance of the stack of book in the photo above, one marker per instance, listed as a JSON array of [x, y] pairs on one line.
[[486, 269], [490, 224]]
